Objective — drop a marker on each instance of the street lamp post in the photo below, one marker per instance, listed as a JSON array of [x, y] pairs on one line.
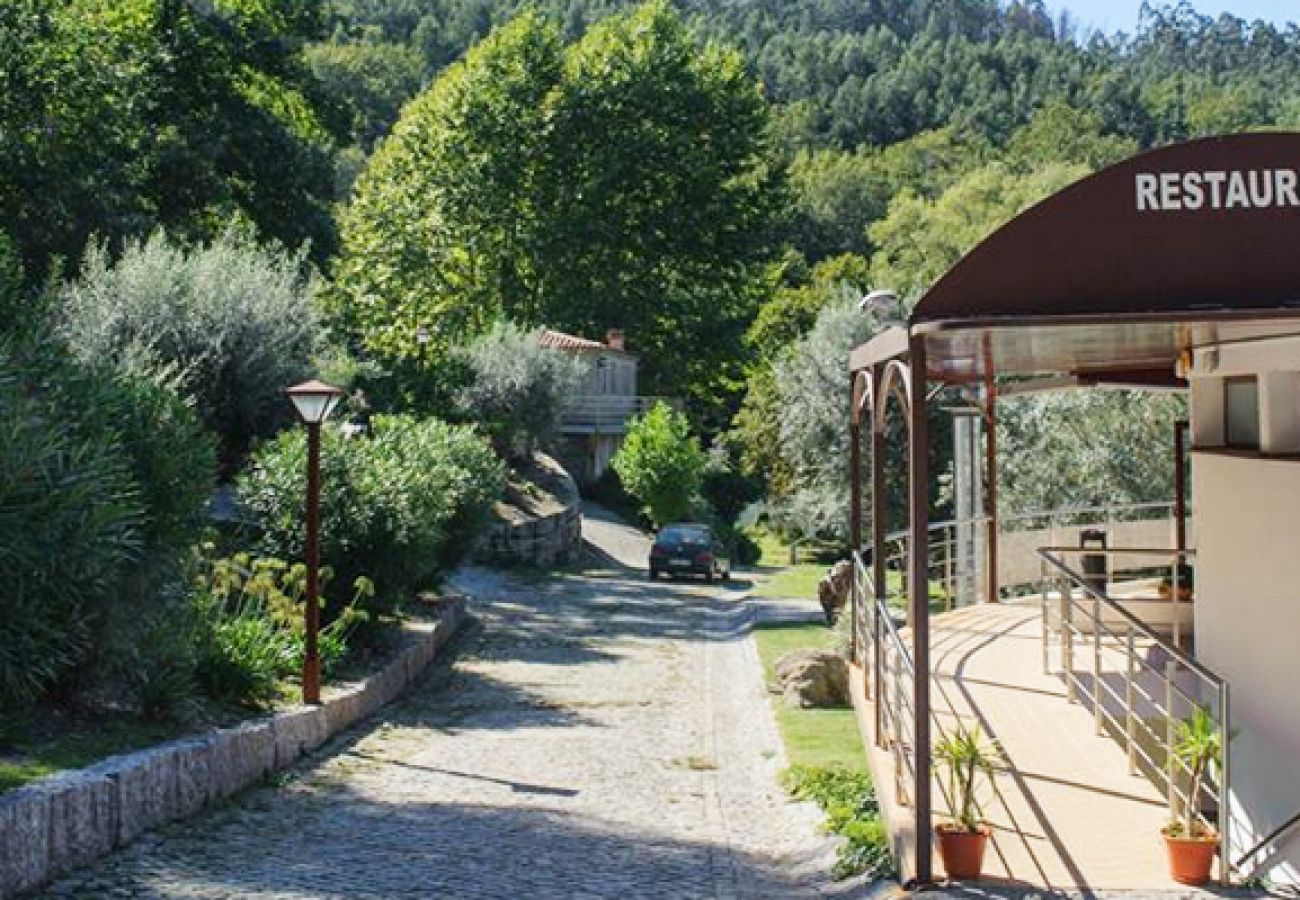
[[314, 401]]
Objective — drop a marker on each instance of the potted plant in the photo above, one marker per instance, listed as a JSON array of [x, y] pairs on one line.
[[963, 838], [1186, 582], [1191, 844]]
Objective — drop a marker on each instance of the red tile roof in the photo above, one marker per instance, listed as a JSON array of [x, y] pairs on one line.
[[558, 340]]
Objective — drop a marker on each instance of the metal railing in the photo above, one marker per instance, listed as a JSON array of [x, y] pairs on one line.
[[1272, 838], [607, 413], [956, 549], [891, 675], [883, 655], [1140, 685], [958, 546]]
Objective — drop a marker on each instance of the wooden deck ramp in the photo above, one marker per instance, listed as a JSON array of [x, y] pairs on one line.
[[1065, 812]]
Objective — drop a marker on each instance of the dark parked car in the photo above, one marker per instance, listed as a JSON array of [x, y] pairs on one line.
[[686, 549]]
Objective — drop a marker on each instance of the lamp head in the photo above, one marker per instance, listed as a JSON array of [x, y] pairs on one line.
[[314, 400], [879, 301]]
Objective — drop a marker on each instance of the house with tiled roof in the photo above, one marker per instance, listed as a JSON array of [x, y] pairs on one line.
[[595, 423]]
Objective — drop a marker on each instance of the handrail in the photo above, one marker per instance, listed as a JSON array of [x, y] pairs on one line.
[[1121, 551], [1064, 512], [1142, 627], [893, 720], [1069, 579], [1272, 837], [1079, 510]]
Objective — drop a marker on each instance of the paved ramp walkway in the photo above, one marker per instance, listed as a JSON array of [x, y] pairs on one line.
[[595, 736], [1066, 814]]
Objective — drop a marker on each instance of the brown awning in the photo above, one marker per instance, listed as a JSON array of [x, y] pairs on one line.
[[1188, 245]]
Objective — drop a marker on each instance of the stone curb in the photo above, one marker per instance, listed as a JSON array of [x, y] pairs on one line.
[[65, 821]]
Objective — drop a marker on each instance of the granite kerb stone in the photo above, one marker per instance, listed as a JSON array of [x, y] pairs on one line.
[[83, 817], [391, 681], [298, 731], [24, 839], [60, 823], [241, 755]]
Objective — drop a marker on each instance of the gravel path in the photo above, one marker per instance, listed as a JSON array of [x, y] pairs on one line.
[[588, 736]]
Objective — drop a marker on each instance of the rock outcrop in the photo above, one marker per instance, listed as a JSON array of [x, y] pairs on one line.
[[813, 678], [833, 590]]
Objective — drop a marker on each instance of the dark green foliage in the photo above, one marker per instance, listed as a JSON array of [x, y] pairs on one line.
[[744, 550], [69, 525], [852, 811], [119, 117], [159, 671], [398, 505], [103, 482], [725, 486], [609, 492]]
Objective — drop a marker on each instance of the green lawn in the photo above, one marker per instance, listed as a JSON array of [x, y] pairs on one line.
[[33, 746], [813, 737], [798, 582]]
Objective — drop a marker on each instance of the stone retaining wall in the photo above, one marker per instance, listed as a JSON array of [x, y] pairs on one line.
[[541, 542], [65, 821]]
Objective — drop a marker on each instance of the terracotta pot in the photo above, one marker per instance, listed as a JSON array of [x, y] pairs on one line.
[[962, 851], [1191, 859]]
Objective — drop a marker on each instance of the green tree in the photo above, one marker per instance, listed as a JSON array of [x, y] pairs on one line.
[[1087, 448], [810, 417], [922, 239], [439, 229], [780, 324], [621, 182], [1061, 133], [661, 464], [519, 390], [370, 80], [232, 321], [119, 117]]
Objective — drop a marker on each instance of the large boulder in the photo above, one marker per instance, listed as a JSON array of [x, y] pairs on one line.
[[813, 678], [833, 590]]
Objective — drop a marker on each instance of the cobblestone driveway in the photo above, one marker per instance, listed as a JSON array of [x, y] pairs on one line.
[[588, 736]]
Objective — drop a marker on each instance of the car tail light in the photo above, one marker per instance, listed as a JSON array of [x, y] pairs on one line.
[[705, 557]]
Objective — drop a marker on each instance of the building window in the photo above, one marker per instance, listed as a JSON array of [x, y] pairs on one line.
[[1241, 412]]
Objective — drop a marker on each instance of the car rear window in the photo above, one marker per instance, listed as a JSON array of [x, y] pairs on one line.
[[684, 534]]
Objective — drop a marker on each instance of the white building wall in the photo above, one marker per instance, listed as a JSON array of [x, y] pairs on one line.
[[1248, 585], [1248, 631]]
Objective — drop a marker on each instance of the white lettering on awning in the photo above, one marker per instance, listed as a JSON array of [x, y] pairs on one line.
[[1192, 191]]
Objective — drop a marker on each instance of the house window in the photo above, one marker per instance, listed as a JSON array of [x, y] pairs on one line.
[[1241, 412]]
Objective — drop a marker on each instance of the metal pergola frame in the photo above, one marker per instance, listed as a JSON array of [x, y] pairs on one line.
[[1087, 289]]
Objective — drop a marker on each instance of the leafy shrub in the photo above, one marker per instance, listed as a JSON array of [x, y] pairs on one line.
[[252, 627], [242, 653], [745, 551], [159, 668], [852, 811], [396, 505], [103, 477], [235, 321], [727, 489], [518, 390], [661, 464]]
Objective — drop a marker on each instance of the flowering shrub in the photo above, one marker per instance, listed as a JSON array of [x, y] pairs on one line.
[[398, 505]]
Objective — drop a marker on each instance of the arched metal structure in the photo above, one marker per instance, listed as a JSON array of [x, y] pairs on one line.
[[1113, 281]]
